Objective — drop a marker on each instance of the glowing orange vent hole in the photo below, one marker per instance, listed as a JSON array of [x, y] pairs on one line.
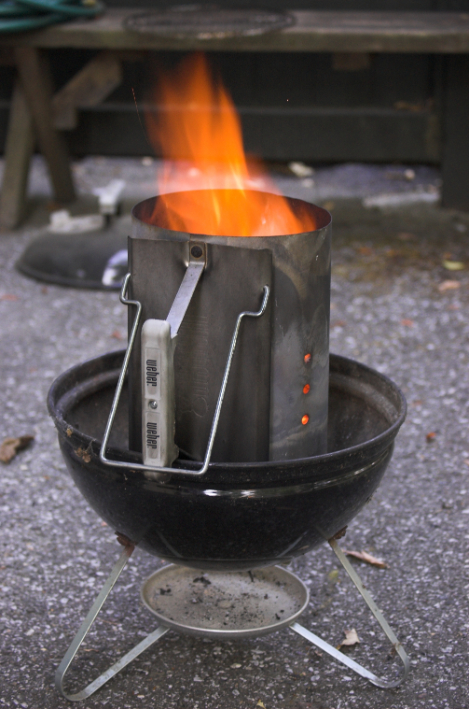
[[307, 358], [306, 388], [305, 419]]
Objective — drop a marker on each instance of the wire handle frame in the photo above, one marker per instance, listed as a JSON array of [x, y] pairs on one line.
[[149, 470]]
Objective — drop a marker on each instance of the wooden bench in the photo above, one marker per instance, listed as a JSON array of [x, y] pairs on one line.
[[37, 115]]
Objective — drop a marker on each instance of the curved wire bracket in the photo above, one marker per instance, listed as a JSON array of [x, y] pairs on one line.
[[340, 656], [162, 630], [83, 631], [155, 471]]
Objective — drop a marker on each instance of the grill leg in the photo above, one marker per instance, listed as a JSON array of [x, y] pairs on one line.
[[86, 625], [336, 654]]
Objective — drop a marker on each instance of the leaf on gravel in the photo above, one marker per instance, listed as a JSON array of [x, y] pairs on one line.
[[453, 265], [369, 558], [9, 296], [407, 323], [300, 169], [261, 704], [430, 436], [351, 638], [449, 285], [365, 251], [11, 446]]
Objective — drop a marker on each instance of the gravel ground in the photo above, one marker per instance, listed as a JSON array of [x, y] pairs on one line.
[[396, 306]]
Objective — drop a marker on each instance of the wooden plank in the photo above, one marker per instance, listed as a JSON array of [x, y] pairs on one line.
[[87, 88], [18, 150], [35, 78], [313, 31], [338, 135], [455, 165], [278, 133]]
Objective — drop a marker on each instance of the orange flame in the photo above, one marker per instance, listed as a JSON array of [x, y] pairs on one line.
[[197, 122]]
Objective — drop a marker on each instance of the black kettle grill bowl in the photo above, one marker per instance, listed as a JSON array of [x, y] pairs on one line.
[[238, 515]]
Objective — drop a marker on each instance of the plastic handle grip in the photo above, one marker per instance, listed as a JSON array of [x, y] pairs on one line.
[[158, 400]]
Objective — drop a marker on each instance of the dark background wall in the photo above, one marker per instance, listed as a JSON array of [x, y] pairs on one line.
[[416, 5], [389, 107]]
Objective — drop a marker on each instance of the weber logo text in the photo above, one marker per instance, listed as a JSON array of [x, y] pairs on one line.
[[151, 373], [152, 435]]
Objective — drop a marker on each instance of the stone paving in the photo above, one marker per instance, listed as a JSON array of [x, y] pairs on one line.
[[398, 305]]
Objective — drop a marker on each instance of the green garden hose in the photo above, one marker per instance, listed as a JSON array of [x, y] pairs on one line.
[[22, 15]]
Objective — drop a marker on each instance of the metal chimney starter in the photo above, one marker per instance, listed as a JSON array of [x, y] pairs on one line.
[[275, 404]]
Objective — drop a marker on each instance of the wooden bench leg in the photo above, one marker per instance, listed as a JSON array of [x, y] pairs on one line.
[[34, 72], [455, 166], [91, 85], [18, 150]]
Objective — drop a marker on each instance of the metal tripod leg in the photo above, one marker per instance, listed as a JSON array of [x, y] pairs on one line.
[[336, 654], [86, 625]]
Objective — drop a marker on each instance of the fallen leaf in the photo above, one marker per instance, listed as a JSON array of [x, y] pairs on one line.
[[333, 576], [338, 323], [430, 436], [453, 265], [8, 296], [351, 638], [261, 704], [300, 169], [365, 250], [448, 285], [369, 558], [117, 335], [406, 106], [53, 206], [11, 446], [407, 323], [83, 454]]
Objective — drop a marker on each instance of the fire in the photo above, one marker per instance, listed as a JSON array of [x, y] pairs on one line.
[[197, 122]]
